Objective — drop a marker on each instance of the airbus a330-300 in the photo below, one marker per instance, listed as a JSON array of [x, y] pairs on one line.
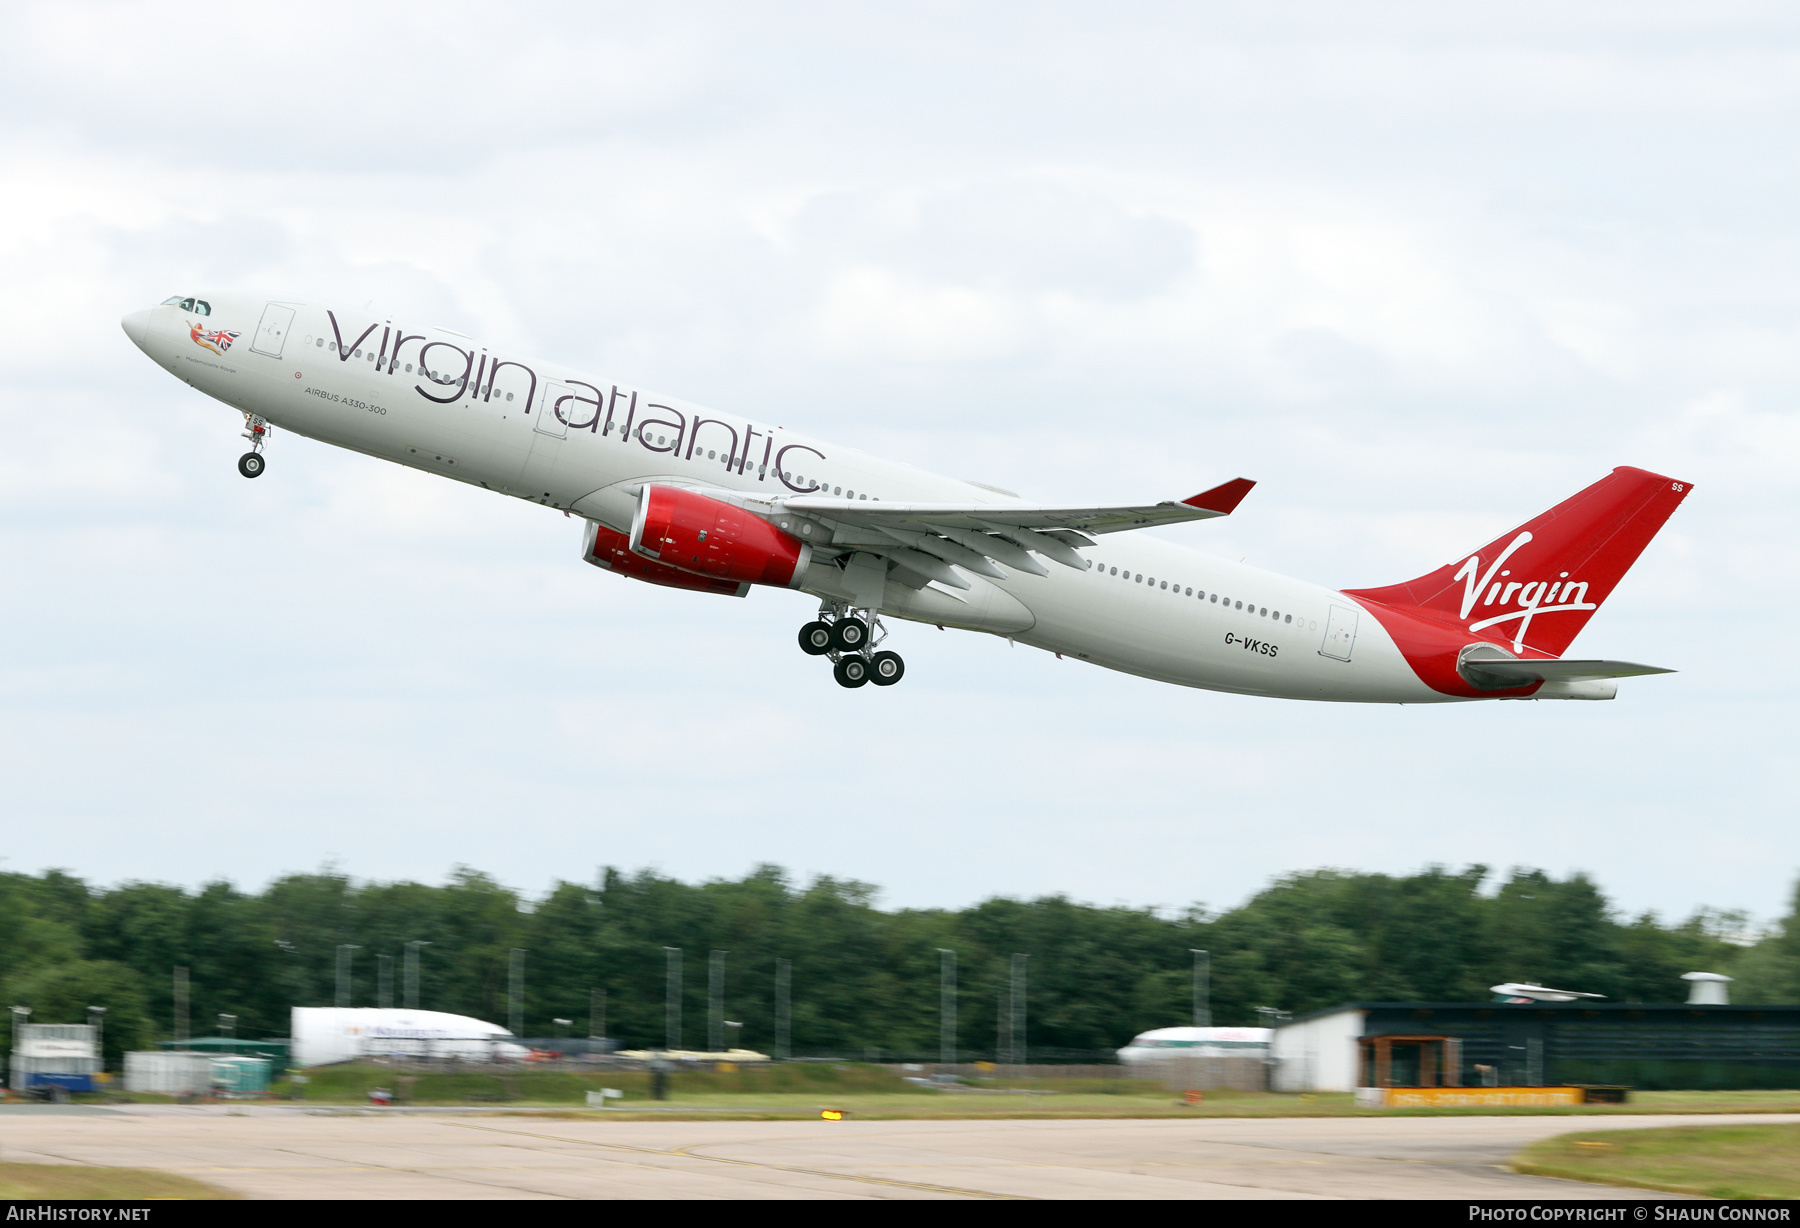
[[675, 494]]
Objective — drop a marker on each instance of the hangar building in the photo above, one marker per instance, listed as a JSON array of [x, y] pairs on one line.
[[1652, 1046]]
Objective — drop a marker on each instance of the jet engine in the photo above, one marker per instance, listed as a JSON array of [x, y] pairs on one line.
[[605, 548], [707, 537]]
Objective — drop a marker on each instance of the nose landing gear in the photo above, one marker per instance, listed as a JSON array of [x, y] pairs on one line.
[[256, 430], [848, 637]]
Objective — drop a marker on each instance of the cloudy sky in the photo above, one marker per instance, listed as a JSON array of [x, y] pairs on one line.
[[1421, 270]]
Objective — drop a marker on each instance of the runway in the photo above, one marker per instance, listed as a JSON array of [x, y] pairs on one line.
[[277, 1153]]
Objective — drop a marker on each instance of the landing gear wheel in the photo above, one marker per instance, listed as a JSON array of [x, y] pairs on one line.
[[851, 672], [251, 464], [849, 635], [886, 668], [815, 638]]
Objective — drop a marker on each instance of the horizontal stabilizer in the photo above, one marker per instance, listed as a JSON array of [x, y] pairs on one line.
[[1570, 671], [1496, 673]]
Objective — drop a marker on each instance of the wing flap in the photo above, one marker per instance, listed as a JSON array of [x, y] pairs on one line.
[[927, 517]]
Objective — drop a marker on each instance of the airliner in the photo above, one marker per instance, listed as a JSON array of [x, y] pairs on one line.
[[672, 493]]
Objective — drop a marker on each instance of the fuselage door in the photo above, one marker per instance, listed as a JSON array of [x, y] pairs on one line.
[[1340, 633], [272, 333], [554, 407]]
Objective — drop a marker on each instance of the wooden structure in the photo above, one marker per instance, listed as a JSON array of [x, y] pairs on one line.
[[1439, 1061]]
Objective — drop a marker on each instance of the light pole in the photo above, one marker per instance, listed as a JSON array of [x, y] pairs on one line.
[[736, 1029], [715, 1001], [20, 1014], [384, 981], [227, 1025], [596, 1014], [784, 1008], [515, 990], [672, 1000], [97, 1021], [1202, 988], [561, 1026], [343, 972], [181, 1005], [411, 973], [1018, 1009], [946, 1007]]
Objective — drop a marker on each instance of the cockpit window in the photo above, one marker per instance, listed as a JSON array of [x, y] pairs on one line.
[[202, 307], [198, 306], [174, 301]]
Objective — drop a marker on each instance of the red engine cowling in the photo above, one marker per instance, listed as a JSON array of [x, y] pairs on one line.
[[710, 538], [605, 548]]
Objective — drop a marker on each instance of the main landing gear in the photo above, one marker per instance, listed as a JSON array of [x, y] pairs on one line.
[[848, 637], [251, 464]]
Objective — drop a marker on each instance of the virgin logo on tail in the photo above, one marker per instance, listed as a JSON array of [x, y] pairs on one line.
[[1532, 597]]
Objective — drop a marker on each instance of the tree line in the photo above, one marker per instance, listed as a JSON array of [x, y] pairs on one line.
[[863, 980]]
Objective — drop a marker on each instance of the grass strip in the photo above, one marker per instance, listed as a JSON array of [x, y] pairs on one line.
[[1737, 1161], [54, 1182]]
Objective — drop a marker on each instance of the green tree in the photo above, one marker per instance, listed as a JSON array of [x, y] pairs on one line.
[[63, 992]]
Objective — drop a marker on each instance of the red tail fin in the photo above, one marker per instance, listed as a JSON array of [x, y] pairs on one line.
[[1536, 587]]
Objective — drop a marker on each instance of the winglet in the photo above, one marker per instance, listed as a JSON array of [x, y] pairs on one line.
[[1222, 499]]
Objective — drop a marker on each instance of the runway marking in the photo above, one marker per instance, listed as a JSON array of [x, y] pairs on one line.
[[685, 1154]]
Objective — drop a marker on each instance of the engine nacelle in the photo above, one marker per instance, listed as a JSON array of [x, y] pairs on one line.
[[708, 537], [604, 548]]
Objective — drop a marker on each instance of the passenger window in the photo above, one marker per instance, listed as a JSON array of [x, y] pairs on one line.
[[1215, 599], [1189, 593], [356, 353], [321, 344], [837, 490], [1165, 584], [1240, 605], [509, 396], [1265, 612], [1115, 571], [1289, 618]]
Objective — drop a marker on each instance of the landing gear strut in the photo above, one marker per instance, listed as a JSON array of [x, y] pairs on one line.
[[256, 430], [849, 638]]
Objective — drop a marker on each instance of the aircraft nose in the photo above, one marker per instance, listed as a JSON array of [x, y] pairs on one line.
[[137, 327]]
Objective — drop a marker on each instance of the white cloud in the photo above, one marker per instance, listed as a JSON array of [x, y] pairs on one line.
[[1421, 272]]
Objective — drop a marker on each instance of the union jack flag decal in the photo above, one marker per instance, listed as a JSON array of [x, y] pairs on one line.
[[217, 341]]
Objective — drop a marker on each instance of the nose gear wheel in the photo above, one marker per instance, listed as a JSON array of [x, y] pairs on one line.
[[256, 430]]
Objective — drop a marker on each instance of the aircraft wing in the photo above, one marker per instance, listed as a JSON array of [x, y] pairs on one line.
[[930, 539]]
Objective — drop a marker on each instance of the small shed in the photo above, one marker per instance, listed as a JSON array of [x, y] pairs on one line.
[[275, 1050]]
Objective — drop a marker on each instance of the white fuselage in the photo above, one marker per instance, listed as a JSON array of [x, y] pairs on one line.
[[1252, 632]]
